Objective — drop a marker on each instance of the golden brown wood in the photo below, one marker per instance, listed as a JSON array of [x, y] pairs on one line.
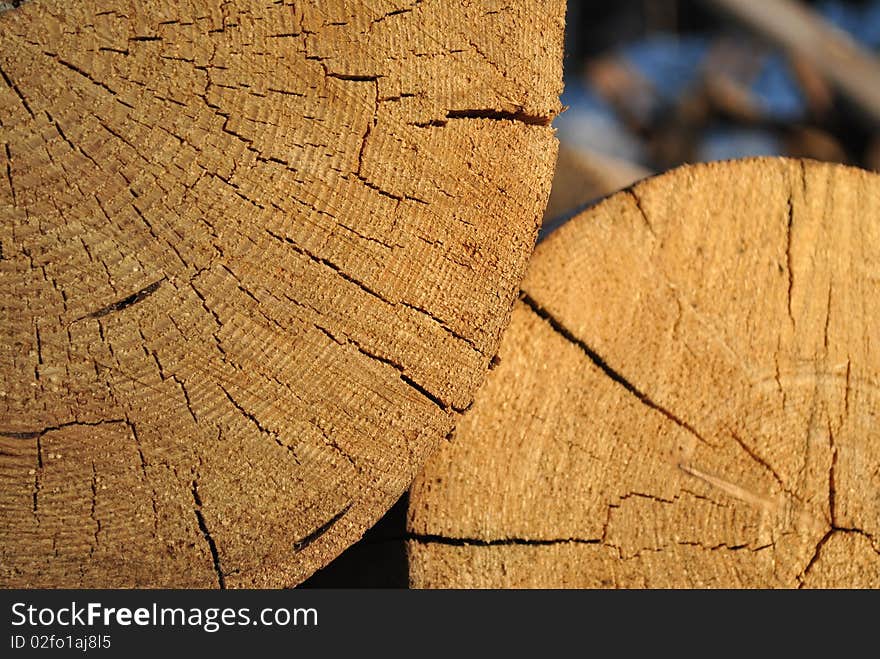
[[583, 176], [255, 257], [688, 396]]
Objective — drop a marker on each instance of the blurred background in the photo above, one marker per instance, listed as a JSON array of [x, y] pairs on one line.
[[652, 84]]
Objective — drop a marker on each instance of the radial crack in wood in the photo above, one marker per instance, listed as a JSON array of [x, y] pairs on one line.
[[687, 396], [254, 258]]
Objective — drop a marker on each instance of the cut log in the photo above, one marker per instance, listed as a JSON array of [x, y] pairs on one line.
[[688, 395], [582, 177], [255, 258]]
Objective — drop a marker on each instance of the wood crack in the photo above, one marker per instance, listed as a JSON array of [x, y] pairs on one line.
[[761, 461], [789, 266], [94, 517], [802, 578], [304, 542], [520, 116], [17, 91], [143, 464], [598, 361], [444, 326], [638, 201], [263, 430], [203, 527], [90, 78], [832, 512], [434, 398], [35, 434], [329, 264], [9, 176], [38, 473], [126, 302], [498, 542], [347, 340]]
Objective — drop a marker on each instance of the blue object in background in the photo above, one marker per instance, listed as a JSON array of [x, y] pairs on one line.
[[861, 22], [590, 123], [725, 143], [776, 90], [671, 64]]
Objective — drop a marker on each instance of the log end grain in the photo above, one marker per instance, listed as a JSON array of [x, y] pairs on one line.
[[687, 396], [254, 259]]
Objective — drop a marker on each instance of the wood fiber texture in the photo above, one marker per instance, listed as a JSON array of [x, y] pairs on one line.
[[256, 257], [581, 178], [688, 395]]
